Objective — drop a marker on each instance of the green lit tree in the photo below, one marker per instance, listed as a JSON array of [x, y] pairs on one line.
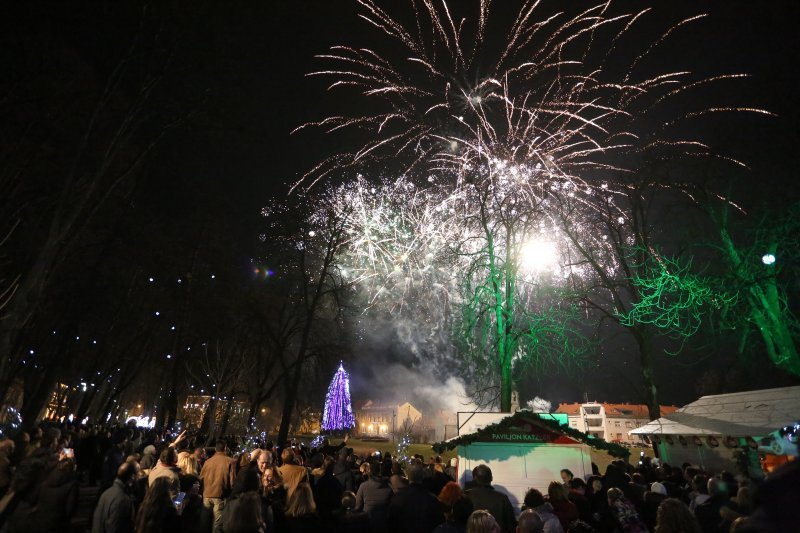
[[611, 245], [749, 294], [512, 317], [673, 298], [757, 274]]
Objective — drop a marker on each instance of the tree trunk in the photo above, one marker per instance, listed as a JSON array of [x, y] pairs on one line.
[[226, 416], [648, 375], [289, 403], [209, 418], [252, 414], [38, 391]]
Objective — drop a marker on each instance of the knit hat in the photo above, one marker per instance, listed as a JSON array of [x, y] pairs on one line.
[[659, 488]]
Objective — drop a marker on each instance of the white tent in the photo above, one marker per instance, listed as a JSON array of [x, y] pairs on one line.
[[707, 431]]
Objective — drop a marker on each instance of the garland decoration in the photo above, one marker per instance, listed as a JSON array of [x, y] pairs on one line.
[[615, 450]]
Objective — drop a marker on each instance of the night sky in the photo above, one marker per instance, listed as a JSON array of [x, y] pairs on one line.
[[239, 68]]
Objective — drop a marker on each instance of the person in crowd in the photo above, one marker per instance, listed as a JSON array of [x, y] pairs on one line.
[[248, 479], [217, 476], [566, 476], [6, 453], [112, 459], [189, 473], [157, 513], [699, 491], [348, 519], [343, 473], [534, 500], [373, 496], [247, 518], [565, 510], [624, 512], [775, 505], [438, 478], [148, 460], [601, 514], [242, 461], [329, 450], [397, 479], [291, 472], [414, 509], [456, 513], [674, 516], [167, 469], [200, 455], [708, 512], [327, 491], [301, 511], [577, 495], [739, 506], [449, 494], [530, 522], [114, 512], [57, 499], [651, 500], [482, 521], [484, 496]]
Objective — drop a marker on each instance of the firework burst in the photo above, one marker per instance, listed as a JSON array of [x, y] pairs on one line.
[[499, 132]]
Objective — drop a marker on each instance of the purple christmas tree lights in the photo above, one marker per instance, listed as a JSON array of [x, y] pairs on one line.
[[338, 413]]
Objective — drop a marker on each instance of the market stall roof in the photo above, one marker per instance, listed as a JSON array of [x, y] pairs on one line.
[[740, 414], [529, 427]]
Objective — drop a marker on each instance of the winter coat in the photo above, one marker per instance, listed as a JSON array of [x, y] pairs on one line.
[[114, 512], [497, 503], [344, 475], [414, 510], [549, 519], [373, 497]]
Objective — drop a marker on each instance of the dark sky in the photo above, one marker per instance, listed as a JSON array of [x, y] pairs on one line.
[[242, 65], [259, 53]]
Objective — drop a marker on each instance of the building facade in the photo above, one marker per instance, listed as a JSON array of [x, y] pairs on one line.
[[609, 421], [383, 421]]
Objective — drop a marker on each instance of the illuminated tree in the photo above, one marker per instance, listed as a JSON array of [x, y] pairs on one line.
[[510, 274], [749, 294], [338, 412], [757, 276], [673, 298]]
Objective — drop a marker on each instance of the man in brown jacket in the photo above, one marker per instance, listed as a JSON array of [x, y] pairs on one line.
[[292, 473], [217, 476]]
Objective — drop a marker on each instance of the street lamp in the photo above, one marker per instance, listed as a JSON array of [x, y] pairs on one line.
[[768, 259]]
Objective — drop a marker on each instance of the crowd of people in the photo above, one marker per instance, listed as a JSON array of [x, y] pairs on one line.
[[152, 483]]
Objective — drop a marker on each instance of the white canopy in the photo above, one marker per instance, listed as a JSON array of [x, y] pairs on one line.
[[740, 414]]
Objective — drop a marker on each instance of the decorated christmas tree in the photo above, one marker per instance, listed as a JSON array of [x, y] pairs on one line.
[[338, 413]]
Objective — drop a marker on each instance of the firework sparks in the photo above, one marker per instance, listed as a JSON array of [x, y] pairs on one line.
[[497, 143]]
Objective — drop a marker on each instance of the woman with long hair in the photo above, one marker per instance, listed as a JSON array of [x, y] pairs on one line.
[[674, 516], [157, 513], [301, 511], [564, 509], [190, 471], [247, 516]]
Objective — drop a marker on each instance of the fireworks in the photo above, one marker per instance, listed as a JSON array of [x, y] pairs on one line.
[[524, 130], [510, 141]]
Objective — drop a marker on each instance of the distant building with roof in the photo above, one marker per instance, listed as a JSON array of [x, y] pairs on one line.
[[384, 420], [609, 421]]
